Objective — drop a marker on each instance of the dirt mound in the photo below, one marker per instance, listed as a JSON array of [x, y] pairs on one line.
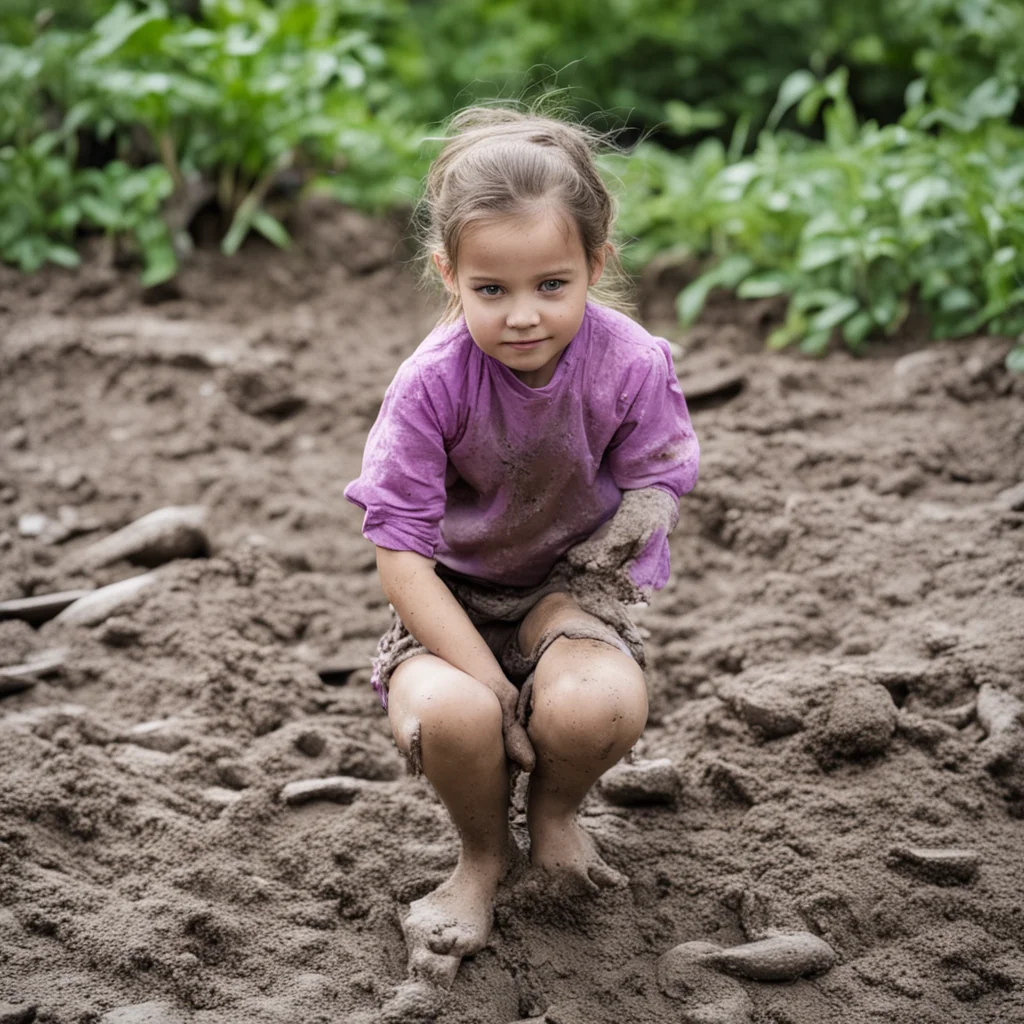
[[835, 677]]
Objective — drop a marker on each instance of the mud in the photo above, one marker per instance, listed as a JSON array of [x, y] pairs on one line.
[[848, 578]]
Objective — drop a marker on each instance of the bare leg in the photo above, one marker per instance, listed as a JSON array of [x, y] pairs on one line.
[[457, 722], [589, 706]]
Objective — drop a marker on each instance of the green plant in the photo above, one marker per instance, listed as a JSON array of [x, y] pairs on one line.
[[852, 229]]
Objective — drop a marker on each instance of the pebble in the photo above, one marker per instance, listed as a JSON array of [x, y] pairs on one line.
[[311, 742], [707, 997], [237, 774], [643, 782], [780, 957], [167, 735], [15, 678], [341, 788], [69, 477], [13, 1013], [860, 723], [156, 538], [414, 1001], [1000, 714], [942, 866], [155, 1012], [40, 609], [98, 605], [734, 783], [766, 709], [32, 524], [16, 438], [1012, 499], [220, 796]]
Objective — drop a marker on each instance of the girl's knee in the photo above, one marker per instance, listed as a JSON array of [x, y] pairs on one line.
[[593, 701], [444, 707]]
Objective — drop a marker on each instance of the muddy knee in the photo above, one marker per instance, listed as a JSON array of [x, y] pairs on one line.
[[589, 702]]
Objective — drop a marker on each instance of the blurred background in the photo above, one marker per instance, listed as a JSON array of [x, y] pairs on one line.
[[860, 161]]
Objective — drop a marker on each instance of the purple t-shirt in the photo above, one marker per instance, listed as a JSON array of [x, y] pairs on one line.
[[468, 465]]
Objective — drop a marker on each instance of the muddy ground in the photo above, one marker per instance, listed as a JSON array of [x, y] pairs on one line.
[[848, 578]]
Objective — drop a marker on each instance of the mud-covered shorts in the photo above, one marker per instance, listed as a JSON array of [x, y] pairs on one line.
[[498, 611]]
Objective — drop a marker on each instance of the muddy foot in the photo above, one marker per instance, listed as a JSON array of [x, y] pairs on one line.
[[450, 923], [565, 848]]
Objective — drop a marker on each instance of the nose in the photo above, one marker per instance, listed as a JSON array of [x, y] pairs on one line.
[[522, 316]]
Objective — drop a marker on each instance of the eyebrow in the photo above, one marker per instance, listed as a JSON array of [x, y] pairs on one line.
[[547, 276]]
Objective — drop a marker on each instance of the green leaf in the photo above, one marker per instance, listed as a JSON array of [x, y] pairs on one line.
[[833, 315], [857, 329], [63, 256], [794, 88], [764, 286], [1015, 358], [690, 301], [271, 229], [815, 344]]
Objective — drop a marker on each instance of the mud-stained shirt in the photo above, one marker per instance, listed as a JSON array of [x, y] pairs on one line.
[[496, 480]]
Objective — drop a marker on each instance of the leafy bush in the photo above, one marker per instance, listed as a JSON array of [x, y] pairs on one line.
[[854, 228]]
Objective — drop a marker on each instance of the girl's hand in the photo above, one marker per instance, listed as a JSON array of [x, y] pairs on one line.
[[518, 747], [624, 539]]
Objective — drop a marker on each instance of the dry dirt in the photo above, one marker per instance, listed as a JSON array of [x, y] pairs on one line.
[[848, 577]]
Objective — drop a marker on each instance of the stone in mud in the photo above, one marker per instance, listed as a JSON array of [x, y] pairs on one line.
[[98, 605], [310, 742], [707, 997], [782, 957], [221, 797], [237, 774], [942, 866], [861, 721], [13, 1013], [340, 788], [1001, 715], [167, 735], [643, 782], [766, 709], [156, 538], [1012, 499], [733, 783], [155, 1012], [40, 609], [15, 678], [414, 1001]]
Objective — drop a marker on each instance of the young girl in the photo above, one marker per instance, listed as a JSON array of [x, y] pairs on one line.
[[519, 485]]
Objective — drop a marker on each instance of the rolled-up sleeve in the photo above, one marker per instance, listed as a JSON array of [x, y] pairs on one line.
[[655, 446], [401, 486]]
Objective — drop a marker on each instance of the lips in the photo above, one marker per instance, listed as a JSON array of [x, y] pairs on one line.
[[524, 344]]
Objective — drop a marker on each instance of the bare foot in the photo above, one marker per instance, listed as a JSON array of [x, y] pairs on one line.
[[562, 846], [451, 922]]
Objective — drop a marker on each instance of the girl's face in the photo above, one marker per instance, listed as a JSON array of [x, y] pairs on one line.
[[523, 281]]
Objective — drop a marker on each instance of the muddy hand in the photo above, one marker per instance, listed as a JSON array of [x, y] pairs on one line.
[[517, 744], [640, 515]]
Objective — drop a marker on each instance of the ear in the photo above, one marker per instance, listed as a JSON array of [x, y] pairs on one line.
[[444, 268], [598, 261]]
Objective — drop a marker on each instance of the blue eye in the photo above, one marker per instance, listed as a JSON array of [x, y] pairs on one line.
[[490, 290], [554, 281]]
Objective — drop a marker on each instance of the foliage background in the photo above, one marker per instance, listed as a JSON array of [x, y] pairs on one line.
[[860, 159]]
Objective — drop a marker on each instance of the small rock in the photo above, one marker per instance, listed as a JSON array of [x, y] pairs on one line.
[[32, 524], [98, 605], [643, 782], [156, 538], [311, 742], [959, 717], [766, 709], [14, 678], [1012, 499], [861, 721], [16, 438], [708, 998], [237, 774], [734, 783], [221, 797], [341, 788], [164, 734], [944, 867], [1001, 716], [14, 1013], [154, 1012], [783, 957], [42, 608], [69, 477], [414, 1001]]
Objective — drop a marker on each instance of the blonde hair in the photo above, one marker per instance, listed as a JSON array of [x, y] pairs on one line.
[[498, 162]]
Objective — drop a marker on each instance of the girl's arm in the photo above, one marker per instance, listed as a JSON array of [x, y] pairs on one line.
[[431, 613]]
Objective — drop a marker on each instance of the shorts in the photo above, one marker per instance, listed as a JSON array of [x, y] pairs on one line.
[[497, 612]]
